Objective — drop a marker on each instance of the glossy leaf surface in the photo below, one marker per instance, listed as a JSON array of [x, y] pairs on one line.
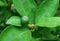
[[14, 20], [15, 34], [46, 9], [49, 22], [25, 8]]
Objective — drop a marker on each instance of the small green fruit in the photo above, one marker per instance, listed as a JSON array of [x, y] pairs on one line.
[[25, 20]]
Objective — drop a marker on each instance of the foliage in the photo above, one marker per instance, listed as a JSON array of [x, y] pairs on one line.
[[29, 20]]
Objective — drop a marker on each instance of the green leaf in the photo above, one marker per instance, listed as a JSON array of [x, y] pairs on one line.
[[14, 20], [49, 36], [45, 33], [0, 30], [41, 31], [5, 14], [49, 22], [25, 8], [35, 39], [1, 3], [38, 2], [15, 34], [46, 9]]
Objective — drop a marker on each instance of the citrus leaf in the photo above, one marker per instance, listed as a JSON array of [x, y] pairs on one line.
[[49, 36], [14, 20], [1, 3], [12, 33], [4, 15], [25, 8], [38, 2], [49, 22], [46, 9], [35, 39]]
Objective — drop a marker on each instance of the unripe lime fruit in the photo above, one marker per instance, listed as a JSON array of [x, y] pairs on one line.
[[25, 20]]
